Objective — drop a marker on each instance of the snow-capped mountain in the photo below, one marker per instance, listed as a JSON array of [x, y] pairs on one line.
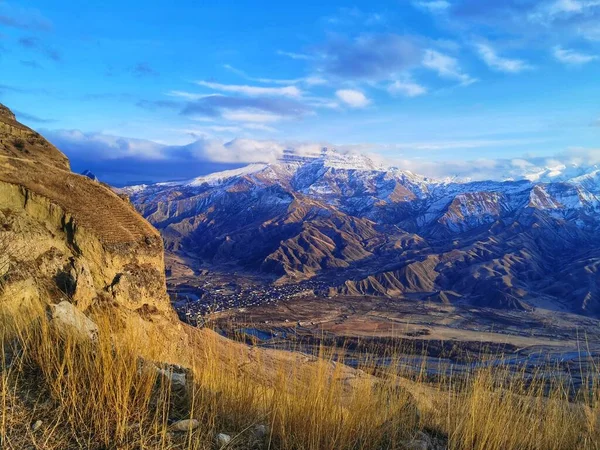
[[391, 231]]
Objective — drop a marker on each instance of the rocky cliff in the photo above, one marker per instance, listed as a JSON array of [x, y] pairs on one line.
[[65, 236]]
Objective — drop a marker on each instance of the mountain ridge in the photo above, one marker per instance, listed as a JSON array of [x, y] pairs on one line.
[[494, 243]]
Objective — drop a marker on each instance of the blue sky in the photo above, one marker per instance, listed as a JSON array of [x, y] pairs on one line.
[[159, 90]]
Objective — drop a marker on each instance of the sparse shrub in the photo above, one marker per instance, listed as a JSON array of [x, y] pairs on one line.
[[19, 143]]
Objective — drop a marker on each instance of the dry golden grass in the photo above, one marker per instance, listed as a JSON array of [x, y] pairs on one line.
[[104, 396]]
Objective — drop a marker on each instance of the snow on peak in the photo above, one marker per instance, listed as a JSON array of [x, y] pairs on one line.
[[337, 160], [217, 178], [557, 173], [332, 158]]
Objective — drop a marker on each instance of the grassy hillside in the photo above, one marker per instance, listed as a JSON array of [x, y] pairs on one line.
[[101, 394]]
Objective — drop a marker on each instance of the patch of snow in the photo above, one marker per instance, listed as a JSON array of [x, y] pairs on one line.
[[218, 178]]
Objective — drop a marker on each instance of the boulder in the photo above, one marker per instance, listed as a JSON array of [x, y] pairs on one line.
[[185, 425], [177, 380], [67, 320]]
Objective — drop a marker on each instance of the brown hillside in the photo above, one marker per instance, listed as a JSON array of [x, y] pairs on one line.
[[71, 236], [19, 141]]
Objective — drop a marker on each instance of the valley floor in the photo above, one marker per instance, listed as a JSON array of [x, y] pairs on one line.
[[445, 337]]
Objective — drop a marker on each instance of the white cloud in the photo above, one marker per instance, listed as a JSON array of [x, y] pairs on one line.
[[568, 56], [566, 6], [406, 88], [238, 151], [286, 91], [578, 16], [570, 163], [494, 61], [97, 147], [314, 80], [105, 146], [446, 67], [352, 98]]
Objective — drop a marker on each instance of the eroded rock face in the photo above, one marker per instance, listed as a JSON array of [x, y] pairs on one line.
[[66, 237]]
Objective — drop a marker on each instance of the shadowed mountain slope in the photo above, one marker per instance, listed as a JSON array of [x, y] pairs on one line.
[[363, 229]]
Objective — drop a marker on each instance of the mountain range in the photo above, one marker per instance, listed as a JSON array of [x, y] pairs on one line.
[[366, 229]]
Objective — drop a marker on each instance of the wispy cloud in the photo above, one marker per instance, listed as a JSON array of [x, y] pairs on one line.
[[294, 55], [189, 95], [434, 6], [532, 18], [496, 62], [313, 80], [31, 64], [251, 115], [370, 56], [253, 91], [441, 145], [159, 104], [22, 90], [446, 67], [143, 69], [345, 17], [406, 88], [25, 18], [261, 109], [37, 45], [25, 117], [572, 57]]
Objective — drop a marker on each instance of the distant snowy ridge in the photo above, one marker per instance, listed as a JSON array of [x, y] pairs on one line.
[[318, 164]]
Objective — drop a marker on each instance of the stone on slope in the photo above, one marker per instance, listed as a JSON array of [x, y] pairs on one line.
[[185, 425], [67, 320], [222, 440]]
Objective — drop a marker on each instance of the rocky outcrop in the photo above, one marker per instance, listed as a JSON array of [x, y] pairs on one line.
[[67, 237]]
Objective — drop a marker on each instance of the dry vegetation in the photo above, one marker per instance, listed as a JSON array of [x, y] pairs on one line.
[[103, 395], [100, 394]]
